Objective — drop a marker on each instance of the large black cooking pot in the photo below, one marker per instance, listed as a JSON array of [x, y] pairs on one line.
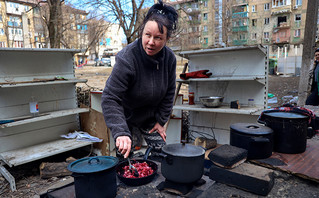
[[182, 163], [256, 139], [290, 131], [94, 177]]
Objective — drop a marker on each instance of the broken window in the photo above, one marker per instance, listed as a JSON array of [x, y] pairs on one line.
[[298, 17], [281, 19], [254, 22]]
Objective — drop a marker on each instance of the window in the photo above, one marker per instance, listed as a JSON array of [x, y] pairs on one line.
[[36, 10], [266, 21], [2, 44], [266, 34], [205, 29], [205, 4], [254, 22], [253, 36], [266, 6], [298, 2], [26, 8], [277, 3], [297, 33], [0, 18], [205, 15], [254, 8], [298, 17], [206, 41], [1, 31]]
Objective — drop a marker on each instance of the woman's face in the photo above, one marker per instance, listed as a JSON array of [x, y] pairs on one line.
[[317, 56], [152, 39]]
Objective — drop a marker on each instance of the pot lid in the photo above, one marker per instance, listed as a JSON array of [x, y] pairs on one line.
[[251, 129], [183, 150], [288, 115], [93, 164]]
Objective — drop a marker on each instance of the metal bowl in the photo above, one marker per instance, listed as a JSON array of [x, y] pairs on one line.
[[211, 101]]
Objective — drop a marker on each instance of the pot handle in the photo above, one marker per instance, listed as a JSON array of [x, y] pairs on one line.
[[94, 158], [260, 139], [147, 152]]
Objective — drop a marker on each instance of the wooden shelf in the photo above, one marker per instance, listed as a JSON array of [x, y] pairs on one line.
[[40, 83], [32, 153], [224, 78], [46, 116], [222, 109]]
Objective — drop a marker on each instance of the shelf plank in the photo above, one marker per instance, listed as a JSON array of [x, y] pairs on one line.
[[232, 78], [222, 109], [46, 116], [37, 83], [32, 153]]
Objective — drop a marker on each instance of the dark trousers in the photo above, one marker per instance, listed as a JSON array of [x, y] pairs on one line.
[[313, 98]]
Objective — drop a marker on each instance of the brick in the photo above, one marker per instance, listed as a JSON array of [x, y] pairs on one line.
[[227, 156], [249, 177]]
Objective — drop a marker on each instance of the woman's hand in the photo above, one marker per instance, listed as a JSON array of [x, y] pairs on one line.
[[124, 144], [161, 130]]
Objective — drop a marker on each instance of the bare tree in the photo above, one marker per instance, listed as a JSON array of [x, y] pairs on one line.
[[128, 13], [52, 16]]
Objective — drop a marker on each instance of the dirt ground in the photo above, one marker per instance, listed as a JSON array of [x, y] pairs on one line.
[[28, 181]]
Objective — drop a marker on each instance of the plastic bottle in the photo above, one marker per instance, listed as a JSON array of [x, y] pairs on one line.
[[34, 107], [191, 98]]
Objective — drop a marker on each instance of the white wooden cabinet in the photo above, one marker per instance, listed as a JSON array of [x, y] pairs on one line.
[[238, 73], [47, 76]]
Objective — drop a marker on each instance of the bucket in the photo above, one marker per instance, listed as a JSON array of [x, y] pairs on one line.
[[94, 177], [290, 131]]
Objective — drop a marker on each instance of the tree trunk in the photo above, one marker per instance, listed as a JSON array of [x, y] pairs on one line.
[[55, 23], [308, 50]]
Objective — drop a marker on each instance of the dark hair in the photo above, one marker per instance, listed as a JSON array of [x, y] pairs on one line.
[[163, 15], [317, 50]]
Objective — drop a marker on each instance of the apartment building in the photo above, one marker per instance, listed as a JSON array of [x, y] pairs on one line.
[[17, 23], [200, 24]]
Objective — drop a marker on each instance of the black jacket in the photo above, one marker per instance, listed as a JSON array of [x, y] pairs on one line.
[[140, 90]]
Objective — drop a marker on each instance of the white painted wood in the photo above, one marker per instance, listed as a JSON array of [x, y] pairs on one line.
[[238, 73], [33, 136], [27, 64], [222, 109], [32, 153], [47, 116], [14, 102], [259, 79], [174, 131], [43, 83]]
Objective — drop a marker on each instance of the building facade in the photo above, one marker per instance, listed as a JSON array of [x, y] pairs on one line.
[[218, 23]]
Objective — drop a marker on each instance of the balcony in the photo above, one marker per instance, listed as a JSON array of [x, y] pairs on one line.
[[240, 2], [240, 42], [282, 25], [240, 15], [281, 10], [240, 29], [194, 22]]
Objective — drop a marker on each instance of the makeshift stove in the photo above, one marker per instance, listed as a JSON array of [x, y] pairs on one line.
[[180, 188]]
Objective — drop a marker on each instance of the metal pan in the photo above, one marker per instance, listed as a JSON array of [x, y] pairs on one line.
[[136, 181]]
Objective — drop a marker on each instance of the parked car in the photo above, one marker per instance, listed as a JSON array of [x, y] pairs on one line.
[[103, 62]]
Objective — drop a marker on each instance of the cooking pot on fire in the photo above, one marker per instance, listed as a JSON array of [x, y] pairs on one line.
[[182, 163], [94, 177], [256, 139]]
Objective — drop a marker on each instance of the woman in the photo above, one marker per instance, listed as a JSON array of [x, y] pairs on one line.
[[313, 98], [138, 96]]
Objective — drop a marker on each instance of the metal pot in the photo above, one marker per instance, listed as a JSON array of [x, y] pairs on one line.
[[182, 163], [256, 139], [290, 131], [94, 176], [211, 101]]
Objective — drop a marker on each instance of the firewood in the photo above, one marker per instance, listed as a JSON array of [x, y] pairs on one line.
[[54, 169]]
